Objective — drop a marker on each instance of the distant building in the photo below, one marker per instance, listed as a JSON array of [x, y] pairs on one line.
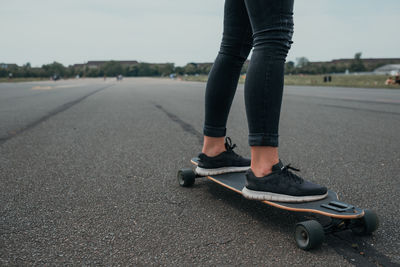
[[390, 69], [79, 65], [8, 65], [369, 63], [98, 63]]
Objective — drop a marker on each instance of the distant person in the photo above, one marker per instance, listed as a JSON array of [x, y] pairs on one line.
[[397, 80], [266, 26], [10, 76], [389, 81]]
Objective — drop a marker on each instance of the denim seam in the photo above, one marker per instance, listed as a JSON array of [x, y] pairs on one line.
[[265, 94]]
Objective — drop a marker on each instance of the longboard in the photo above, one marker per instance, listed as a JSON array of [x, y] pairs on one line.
[[329, 206], [308, 234]]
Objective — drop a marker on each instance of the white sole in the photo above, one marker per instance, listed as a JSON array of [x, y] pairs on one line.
[[205, 172], [259, 195]]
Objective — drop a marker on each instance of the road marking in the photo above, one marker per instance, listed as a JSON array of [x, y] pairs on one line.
[[70, 85], [42, 88], [38, 87]]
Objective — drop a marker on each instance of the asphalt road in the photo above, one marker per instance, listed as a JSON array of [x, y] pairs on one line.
[[88, 175]]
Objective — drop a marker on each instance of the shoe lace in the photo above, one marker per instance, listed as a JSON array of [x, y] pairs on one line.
[[286, 171], [228, 144], [229, 147]]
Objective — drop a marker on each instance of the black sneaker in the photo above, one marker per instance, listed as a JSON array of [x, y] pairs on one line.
[[227, 161], [282, 185]]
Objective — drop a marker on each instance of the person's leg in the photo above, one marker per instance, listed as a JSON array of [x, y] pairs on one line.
[[268, 179], [224, 75], [217, 155], [272, 24]]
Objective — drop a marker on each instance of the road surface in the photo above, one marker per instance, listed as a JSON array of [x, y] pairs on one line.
[[88, 175]]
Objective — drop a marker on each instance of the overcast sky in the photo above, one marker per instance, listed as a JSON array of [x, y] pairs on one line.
[[182, 31]]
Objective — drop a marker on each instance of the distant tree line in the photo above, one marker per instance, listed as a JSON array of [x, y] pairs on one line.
[[114, 68], [111, 68], [304, 66]]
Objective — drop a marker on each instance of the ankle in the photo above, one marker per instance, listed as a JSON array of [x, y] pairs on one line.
[[212, 152], [213, 146], [262, 160], [261, 171]]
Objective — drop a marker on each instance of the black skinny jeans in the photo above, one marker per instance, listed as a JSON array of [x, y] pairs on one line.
[[266, 25]]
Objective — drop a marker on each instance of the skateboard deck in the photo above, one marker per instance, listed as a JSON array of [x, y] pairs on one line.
[[329, 206]]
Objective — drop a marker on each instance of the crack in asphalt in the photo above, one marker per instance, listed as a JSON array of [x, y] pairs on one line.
[[185, 126], [218, 243], [358, 252], [14, 133]]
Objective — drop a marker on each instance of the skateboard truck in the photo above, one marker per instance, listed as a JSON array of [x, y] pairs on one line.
[[338, 206]]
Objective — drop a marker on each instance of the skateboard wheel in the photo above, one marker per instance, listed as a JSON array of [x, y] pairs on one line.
[[186, 177], [309, 234], [367, 224]]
